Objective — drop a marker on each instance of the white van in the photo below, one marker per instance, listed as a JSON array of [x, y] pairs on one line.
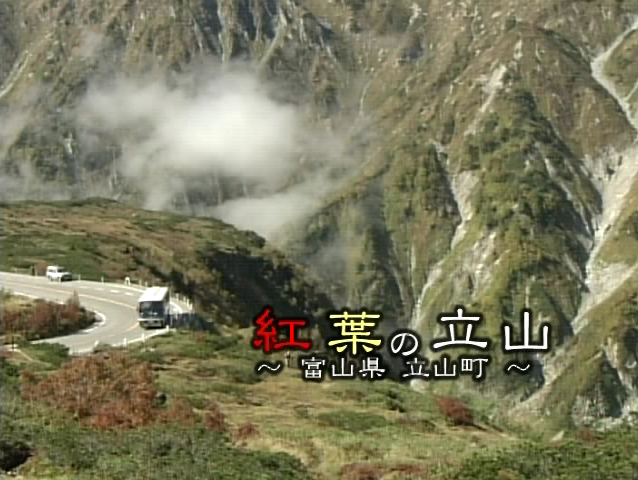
[[58, 273]]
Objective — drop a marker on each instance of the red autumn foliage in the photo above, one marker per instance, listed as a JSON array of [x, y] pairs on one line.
[[179, 412], [376, 471], [104, 391], [46, 319], [27, 378], [10, 321], [214, 419], [455, 411], [358, 471], [245, 431], [116, 391]]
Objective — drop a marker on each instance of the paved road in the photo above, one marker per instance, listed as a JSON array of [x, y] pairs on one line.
[[115, 306]]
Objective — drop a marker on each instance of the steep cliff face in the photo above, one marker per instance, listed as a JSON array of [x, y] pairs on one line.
[[506, 179], [494, 146], [8, 47], [60, 52]]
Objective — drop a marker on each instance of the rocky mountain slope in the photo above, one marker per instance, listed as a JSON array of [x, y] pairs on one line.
[[477, 153]]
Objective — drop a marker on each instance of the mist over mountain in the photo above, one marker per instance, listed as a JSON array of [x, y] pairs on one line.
[[415, 155]]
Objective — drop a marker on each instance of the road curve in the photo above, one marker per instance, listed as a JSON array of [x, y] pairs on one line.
[[115, 305]]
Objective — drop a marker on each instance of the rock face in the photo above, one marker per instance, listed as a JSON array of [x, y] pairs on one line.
[[494, 144]]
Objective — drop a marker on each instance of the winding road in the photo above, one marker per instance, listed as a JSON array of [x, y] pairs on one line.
[[114, 304]]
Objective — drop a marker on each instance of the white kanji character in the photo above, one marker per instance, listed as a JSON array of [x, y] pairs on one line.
[[468, 334], [313, 370], [419, 365], [445, 359], [468, 366], [507, 333], [343, 369], [371, 366]]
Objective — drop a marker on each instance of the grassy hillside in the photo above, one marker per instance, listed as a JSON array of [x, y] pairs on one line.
[[228, 273], [220, 420]]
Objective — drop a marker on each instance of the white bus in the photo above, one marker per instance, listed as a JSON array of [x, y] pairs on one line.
[[153, 307]]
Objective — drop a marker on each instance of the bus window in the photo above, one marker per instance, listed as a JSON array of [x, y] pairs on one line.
[[151, 309]]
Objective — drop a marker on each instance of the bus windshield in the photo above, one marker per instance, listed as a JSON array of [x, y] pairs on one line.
[[151, 309]]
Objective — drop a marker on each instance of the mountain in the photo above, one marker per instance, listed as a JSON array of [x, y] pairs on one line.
[[415, 155]]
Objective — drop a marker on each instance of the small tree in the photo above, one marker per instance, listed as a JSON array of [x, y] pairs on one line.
[[454, 410], [179, 412], [215, 420], [246, 431], [10, 322], [43, 320]]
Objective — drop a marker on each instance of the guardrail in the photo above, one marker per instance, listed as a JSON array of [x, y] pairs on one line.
[[127, 282], [188, 321], [124, 344]]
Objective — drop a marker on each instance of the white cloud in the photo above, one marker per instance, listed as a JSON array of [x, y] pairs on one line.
[[216, 121]]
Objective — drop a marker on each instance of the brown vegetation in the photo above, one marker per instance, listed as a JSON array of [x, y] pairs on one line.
[[113, 391], [179, 412], [455, 411], [214, 419], [586, 435], [246, 431], [376, 471], [42, 319], [102, 390]]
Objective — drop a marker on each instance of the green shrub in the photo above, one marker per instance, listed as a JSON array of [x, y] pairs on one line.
[[230, 389], [150, 356], [53, 353], [9, 373], [244, 375], [162, 452], [352, 421], [200, 345], [612, 456]]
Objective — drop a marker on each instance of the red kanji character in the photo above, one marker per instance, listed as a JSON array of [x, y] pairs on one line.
[[263, 336], [291, 342]]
